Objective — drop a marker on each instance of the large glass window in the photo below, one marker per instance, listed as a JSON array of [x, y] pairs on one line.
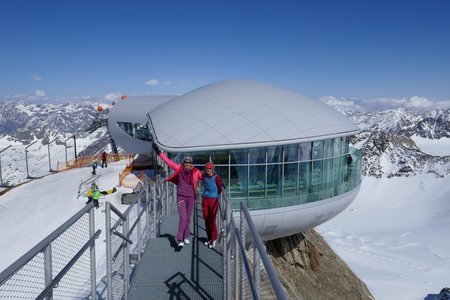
[[278, 176], [136, 130]]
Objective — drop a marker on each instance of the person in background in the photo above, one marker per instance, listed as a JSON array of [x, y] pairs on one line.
[[210, 202], [186, 178], [94, 194], [94, 166], [104, 160], [349, 166]]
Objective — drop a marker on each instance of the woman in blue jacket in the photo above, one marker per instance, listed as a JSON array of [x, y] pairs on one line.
[[210, 202]]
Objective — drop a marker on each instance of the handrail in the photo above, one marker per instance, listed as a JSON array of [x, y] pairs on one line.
[[229, 227], [12, 269], [69, 265], [273, 277], [245, 261]]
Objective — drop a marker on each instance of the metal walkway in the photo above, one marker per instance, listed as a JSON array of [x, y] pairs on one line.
[[167, 272]]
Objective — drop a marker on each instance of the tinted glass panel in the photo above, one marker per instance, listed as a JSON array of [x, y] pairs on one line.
[[239, 156], [257, 180], [219, 157], [274, 180], [257, 155], [305, 151], [290, 153], [274, 154], [290, 179], [328, 148], [317, 150]]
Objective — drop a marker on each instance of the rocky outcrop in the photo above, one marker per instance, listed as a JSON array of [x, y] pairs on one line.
[[309, 269]]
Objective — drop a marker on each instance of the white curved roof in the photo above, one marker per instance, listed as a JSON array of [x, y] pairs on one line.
[[133, 110], [242, 113]]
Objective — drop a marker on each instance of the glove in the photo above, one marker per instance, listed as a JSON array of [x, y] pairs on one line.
[[156, 148], [114, 189]]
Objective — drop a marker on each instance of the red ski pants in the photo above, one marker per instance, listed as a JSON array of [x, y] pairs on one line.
[[210, 207]]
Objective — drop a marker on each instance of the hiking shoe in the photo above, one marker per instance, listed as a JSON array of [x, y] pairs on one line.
[[212, 245], [186, 241], [180, 244]]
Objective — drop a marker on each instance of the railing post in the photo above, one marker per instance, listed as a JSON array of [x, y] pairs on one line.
[[108, 251], [228, 250], [256, 272], [147, 214], [154, 202], [224, 229], [139, 229], [26, 158], [48, 268], [92, 254], [242, 284], [126, 260], [237, 270]]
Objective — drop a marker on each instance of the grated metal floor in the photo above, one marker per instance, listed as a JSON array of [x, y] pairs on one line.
[[167, 272]]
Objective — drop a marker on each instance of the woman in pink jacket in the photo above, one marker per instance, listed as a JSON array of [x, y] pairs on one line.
[[186, 178]]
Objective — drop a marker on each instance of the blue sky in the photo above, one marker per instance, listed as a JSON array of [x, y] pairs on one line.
[[350, 49]]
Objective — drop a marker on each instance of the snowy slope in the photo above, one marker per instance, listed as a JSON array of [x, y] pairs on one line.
[[30, 212], [395, 236]]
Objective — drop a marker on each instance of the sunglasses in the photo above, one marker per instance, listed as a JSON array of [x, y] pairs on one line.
[[187, 162]]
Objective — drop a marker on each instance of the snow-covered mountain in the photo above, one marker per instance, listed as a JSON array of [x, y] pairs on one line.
[[388, 140], [23, 124], [388, 137]]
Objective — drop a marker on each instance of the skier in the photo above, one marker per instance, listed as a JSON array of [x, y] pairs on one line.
[[94, 194], [94, 166], [104, 160]]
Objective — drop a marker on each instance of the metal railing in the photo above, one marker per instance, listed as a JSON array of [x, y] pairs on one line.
[[248, 272], [127, 237], [59, 267]]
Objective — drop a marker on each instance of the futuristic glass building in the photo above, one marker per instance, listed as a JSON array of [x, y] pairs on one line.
[[283, 154]]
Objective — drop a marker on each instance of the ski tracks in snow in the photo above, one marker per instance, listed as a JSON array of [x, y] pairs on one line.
[[349, 246]]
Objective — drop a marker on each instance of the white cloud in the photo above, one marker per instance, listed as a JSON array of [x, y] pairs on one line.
[[414, 103], [40, 94], [348, 104], [35, 77], [166, 83], [113, 96], [152, 82]]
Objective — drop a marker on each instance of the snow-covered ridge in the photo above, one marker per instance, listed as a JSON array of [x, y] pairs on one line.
[[22, 124], [388, 137]]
